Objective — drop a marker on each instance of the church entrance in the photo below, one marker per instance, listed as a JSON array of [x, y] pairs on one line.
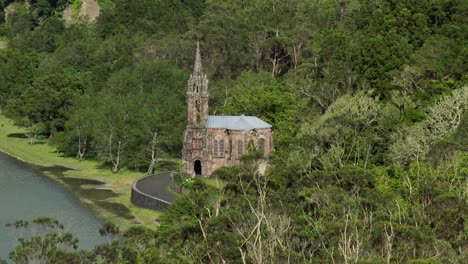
[[197, 168]]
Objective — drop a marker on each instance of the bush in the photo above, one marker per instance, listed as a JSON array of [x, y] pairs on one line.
[[187, 183]]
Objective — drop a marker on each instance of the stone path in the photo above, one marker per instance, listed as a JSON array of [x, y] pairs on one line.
[[157, 186]]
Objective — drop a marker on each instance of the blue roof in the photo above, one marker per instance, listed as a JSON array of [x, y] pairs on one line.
[[236, 122]]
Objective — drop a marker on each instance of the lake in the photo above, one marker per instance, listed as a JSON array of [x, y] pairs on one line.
[[26, 194]]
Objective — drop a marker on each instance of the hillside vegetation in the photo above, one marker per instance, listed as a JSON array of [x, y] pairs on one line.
[[368, 100]]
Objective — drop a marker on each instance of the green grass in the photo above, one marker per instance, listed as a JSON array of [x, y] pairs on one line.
[[43, 154]]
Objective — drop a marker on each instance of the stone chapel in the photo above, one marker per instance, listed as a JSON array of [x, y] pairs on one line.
[[211, 142]]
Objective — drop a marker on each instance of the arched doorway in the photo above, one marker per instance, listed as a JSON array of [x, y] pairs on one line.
[[197, 168]]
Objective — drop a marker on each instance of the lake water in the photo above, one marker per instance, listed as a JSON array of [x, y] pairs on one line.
[[26, 194]]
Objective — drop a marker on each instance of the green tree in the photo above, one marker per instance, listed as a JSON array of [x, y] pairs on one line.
[[49, 245], [17, 70], [115, 120], [260, 94], [79, 127], [159, 88]]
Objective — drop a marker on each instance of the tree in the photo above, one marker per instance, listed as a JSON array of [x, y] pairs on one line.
[[343, 135], [80, 126], [412, 143], [260, 94], [445, 116], [115, 122], [265, 233], [48, 245], [159, 89], [162, 124], [33, 109], [17, 70]]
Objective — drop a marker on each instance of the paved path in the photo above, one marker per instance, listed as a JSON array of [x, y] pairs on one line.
[[157, 186]]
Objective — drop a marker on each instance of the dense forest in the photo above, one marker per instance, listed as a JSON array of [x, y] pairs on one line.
[[368, 100]]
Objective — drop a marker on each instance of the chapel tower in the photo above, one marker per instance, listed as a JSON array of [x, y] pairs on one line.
[[194, 152], [197, 95]]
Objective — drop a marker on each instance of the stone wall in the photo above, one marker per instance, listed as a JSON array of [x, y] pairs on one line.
[[231, 138], [144, 200]]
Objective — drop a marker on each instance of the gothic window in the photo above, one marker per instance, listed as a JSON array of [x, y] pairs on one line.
[[230, 149], [261, 145], [215, 148], [240, 148], [197, 111], [221, 148]]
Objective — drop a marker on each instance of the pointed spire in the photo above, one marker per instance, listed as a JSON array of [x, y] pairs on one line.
[[197, 69]]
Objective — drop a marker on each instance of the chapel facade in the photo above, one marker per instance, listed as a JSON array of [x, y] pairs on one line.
[[211, 142]]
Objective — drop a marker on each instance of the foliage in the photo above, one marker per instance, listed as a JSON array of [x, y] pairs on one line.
[[48, 245], [260, 94], [186, 182], [367, 100], [75, 7], [106, 4]]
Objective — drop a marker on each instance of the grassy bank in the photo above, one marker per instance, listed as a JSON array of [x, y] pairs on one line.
[[13, 142]]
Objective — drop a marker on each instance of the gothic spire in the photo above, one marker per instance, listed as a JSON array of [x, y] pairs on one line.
[[197, 94], [198, 82], [197, 69]]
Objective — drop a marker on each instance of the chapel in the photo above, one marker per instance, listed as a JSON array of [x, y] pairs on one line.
[[211, 142]]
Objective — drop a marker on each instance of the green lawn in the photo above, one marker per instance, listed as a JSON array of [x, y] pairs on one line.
[[41, 153]]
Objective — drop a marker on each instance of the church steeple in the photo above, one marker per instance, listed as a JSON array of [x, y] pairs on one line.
[[197, 67], [197, 94]]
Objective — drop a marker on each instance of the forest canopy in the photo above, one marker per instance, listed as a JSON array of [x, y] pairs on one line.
[[368, 101]]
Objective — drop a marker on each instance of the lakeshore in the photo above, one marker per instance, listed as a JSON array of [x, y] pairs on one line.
[[88, 180], [27, 194]]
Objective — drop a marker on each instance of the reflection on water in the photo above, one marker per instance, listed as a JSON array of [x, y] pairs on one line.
[[25, 193], [89, 190]]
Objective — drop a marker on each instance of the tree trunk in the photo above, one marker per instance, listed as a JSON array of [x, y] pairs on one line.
[[296, 54], [153, 144], [82, 142], [116, 163], [32, 135]]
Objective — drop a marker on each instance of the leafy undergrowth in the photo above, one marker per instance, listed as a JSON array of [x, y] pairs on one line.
[[14, 142]]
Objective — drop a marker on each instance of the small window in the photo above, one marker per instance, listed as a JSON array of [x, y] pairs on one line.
[[261, 145], [221, 148], [215, 148], [240, 148]]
